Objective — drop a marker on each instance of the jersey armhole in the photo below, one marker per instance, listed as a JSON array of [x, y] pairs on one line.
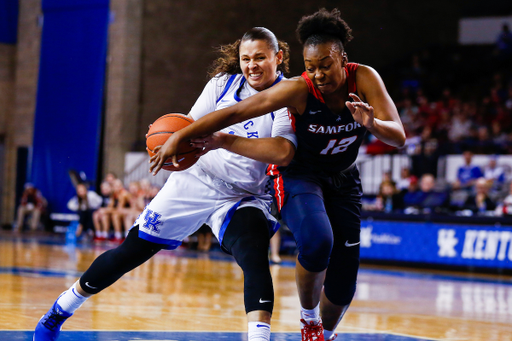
[[226, 88], [311, 88], [351, 70]]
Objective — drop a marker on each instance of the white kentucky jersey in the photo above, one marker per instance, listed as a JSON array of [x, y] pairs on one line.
[[221, 182], [244, 173]]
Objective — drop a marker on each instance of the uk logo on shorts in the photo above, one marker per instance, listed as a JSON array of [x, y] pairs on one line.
[[152, 221]]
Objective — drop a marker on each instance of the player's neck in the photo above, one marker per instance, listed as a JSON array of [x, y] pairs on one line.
[[336, 100]]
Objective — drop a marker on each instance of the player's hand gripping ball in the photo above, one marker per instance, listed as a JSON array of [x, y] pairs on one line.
[[161, 130]]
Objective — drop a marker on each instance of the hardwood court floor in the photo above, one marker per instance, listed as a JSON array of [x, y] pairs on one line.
[[184, 295]]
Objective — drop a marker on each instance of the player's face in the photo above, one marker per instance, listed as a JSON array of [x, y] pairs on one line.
[[259, 63], [324, 66]]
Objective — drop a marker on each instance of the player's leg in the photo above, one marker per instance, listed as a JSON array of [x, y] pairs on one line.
[[161, 225], [247, 239], [275, 245], [103, 272], [304, 213], [340, 283], [113, 264]]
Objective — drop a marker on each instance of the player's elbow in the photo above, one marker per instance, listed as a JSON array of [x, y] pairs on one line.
[[400, 141], [397, 138], [285, 155], [285, 161]]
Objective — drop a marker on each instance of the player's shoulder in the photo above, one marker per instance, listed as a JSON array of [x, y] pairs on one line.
[[366, 71], [367, 77]]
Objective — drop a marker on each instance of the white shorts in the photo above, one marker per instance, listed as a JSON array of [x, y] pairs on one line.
[[190, 199]]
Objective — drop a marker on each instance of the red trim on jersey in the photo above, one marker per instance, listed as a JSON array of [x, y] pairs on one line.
[[278, 185], [351, 69], [312, 89], [272, 170], [279, 189], [292, 119]]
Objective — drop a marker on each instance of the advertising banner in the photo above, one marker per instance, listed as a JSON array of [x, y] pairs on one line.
[[444, 244]]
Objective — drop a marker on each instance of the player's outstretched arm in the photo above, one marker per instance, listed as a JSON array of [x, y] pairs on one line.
[[273, 150], [287, 93]]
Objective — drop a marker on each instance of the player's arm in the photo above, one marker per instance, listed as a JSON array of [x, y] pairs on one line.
[[287, 93], [379, 114], [273, 150], [284, 94]]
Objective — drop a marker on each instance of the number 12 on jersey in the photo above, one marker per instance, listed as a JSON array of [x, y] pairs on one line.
[[341, 147]]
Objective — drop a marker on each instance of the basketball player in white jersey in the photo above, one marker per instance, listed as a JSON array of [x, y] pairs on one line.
[[223, 190]]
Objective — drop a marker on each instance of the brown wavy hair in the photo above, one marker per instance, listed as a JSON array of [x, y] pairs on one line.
[[229, 60]]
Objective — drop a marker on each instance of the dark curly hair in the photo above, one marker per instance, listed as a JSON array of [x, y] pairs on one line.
[[229, 61], [322, 27]]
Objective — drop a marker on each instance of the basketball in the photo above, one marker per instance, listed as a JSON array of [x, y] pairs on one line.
[[161, 130]]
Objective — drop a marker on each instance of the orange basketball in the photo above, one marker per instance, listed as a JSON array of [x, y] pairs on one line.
[[161, 130]]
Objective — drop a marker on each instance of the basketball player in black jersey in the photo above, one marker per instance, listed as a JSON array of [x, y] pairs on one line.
[[333, 104]]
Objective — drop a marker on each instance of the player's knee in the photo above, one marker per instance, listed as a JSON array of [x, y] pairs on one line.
[[312, 262], [315, 248]]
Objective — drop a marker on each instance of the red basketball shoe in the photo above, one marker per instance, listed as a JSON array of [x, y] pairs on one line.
[[312, 330]]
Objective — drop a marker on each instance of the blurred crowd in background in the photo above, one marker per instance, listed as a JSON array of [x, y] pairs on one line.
[[452, 102], [106, 214], [476, 191]]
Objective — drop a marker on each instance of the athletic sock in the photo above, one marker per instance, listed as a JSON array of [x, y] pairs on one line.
[[71, 300], [310, 313], [328, 334], [118, 235], [259, 331]]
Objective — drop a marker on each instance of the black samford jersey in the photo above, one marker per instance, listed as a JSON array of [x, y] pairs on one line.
[[327, 142]]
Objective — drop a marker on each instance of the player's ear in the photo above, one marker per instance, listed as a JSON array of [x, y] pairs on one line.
[[279, 57], [344, 59]]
